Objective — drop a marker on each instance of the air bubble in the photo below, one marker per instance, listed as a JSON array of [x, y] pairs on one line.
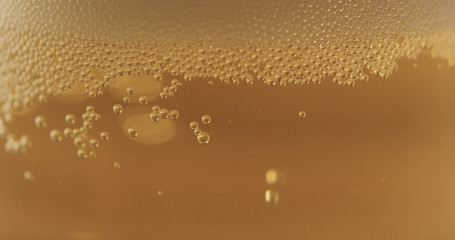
[[70, 119], [203, 138], [143, 100], [194, 125], [40, 121], [117, 108], [174, 114], [104, 136], [132, 132], [82, 153], [206, 119], [56, 135]]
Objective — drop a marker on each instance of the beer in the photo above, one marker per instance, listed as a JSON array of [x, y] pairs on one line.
[[227, 120]]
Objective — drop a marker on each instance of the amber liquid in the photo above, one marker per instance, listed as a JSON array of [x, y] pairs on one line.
[[374, 161]]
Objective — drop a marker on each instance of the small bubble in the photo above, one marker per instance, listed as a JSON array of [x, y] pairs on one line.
[[174, 82], [56, 135], [194, 125], [197, 131], [132, 132], [92, 154], [154, 116], [164, 113], [206, 119], [160, 193], [272, 196], [70, 119], [271, 176], [302, 114], [88, 124], [28, 176], [116, 165], [90, 108], [210, 82], [25, 141], [82, 153], [80, 141], [126, 99], [130, 90], [203, 138], [117, 108], [94, 143], [164, 95], [174, 114], [86, 116], [40, 121], [143, 100], [68, 133], [155, 108], [104, 136]]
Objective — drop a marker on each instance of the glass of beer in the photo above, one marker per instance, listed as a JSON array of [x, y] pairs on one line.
[[225, 119]]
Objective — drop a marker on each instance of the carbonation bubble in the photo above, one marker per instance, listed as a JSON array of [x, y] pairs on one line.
[[82, 153], [104, 136], [160, 193], [116, 165], [68, 133], [143, 100], [130, 90], [272, 196], [56, 135], [302, 114], [174, 114], [117, 108], [29, 176], [80, 141], [90, 109], [94, 143], [164, 95], [40, 121], [92, 154], [154, 116], [126, 99], [194, 125], [87, 124], [132, 132], [164, 113], [156, 108], [196, 131], [70, 118], [206, 119], [203, 138]]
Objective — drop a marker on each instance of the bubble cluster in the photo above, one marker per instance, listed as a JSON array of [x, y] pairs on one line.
[[202, 137], [81, 49]]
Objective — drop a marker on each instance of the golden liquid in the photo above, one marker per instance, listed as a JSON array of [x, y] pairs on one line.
[[322, 161], [370, 162]]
